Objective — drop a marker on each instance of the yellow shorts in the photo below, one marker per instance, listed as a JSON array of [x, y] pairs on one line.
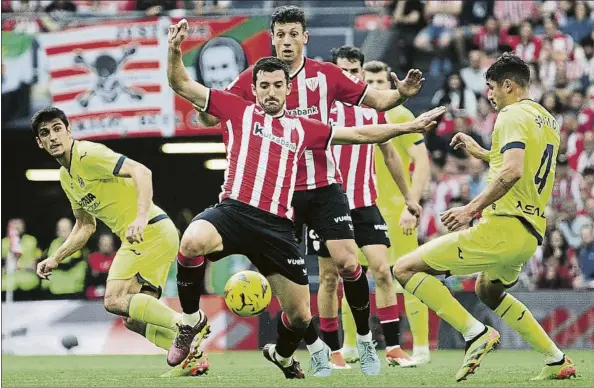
[[400, 244], [149, 260], [498, 246]]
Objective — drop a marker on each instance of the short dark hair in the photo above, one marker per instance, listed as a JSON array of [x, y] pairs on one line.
[[377, 67], [268, 65], [351, 53], [47, 114], [509, 66], [288, 14]]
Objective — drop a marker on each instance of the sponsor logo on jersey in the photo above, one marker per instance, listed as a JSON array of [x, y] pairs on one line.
[[259, 130], [310, 110], [530, 210]]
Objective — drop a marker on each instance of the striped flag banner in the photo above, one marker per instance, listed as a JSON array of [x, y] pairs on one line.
[[111, 79]]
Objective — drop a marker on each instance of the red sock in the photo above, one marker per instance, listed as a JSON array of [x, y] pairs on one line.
[[389, 317], [329, 328]]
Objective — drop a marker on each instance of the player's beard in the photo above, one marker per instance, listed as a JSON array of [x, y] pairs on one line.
[[272, 109]]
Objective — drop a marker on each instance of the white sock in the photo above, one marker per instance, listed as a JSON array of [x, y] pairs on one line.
[[316, 346], [555, 357], [192, 319], [284, 361], [420, 350], [390, 348], [476, 329], [364, 338]]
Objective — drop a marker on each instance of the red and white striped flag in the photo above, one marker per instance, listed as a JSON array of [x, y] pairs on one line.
[[111, 79]]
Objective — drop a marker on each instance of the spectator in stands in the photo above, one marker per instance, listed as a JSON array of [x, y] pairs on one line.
[[407, 21], [22, 251], [18, 22], [536, 89], [472, 18], [456, 96], [156, 7], [211, 6], [485, 120], [570, 223], [474, 75], [586, 157], [99, 264], [492, 38], [477, 176], [68, 280], [443, 16], [566, 186], [580, 25], [557, 271], [462, 123], [551, 102], [529, 46], [586, 259], [584, 55], [513, 13]]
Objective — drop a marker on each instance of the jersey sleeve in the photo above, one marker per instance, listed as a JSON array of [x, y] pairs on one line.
[[347, 88], [512, 130], [64, 183], [317, 135], [100, 162], [225, 105], [242, 86]]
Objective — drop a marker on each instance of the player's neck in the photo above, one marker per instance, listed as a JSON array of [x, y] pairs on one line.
[[296, 66], [517, 97], [66, 158]]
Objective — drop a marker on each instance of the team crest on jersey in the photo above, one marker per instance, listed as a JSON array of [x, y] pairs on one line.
[[312, 83], [81, 183]]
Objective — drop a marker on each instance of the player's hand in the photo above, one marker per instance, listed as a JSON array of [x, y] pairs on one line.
[[411, 85], [462, 140], [177, 33], [135, 231], [457, 218], [428, 120], [45, 267], [408, 222]]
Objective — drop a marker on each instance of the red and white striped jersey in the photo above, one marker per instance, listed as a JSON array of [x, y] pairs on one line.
[[263, 151], [314, 87], [356, 162]]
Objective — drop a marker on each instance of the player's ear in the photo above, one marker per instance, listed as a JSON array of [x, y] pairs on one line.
[[289, 86], [38, 142], [305, 37], [507, 84], [254, 90]]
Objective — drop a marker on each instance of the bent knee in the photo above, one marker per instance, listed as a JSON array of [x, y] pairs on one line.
[[114, 303], [299, 318], [489, 293], [382, 274], [344, 255]]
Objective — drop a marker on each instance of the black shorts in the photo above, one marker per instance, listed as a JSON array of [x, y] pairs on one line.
[[370, 229], [325, 210], [267, 240]]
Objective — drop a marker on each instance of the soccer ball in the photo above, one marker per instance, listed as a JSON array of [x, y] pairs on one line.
[[247, 293]]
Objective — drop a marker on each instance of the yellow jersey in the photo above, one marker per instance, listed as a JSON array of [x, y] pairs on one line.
[[527, 125], [91, 183], [389, 194]]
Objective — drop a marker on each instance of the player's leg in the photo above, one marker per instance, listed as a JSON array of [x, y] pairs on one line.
[[135, 281], [349, 330], [332, 221], [493, 293], [469, 251], [203, 236]]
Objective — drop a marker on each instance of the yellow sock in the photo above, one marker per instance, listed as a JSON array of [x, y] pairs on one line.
[[147, 309], [519, 318], [418, 319], [160, 336], [348, 326], [439, 299]]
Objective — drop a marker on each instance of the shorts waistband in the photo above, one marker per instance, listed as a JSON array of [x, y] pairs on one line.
[[158, 218]]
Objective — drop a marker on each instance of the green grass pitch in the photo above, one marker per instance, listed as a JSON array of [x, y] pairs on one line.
[[248, 368]]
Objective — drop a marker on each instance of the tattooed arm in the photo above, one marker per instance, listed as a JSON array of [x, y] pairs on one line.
[[511, 172]]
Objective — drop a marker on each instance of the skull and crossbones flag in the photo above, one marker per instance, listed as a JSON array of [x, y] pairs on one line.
[[110, 78]]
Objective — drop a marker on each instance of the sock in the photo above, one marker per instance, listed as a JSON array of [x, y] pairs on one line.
[[519, 318], [160, 336], [390, 321], [311, 334], [329, 329], [288, 337], [418, 319], [439, 299], [356, 291], [364, 338], [190, 278], [348, 326], [316, 346], [145, 308]]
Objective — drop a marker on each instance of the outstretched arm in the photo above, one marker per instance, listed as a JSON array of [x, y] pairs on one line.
[[381, 133], [384, 100], [178, 77]]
